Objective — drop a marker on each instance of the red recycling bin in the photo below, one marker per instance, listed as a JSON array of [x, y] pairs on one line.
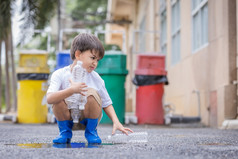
[[149, 105]]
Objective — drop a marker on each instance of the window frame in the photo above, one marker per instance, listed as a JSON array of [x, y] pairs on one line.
[[175, 33], [163, 20], [197, 11]]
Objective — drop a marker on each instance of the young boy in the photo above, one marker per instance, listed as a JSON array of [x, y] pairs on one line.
[[88, 49]]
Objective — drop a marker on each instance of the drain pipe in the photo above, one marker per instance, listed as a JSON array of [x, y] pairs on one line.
[[199, 104], [172, 118]]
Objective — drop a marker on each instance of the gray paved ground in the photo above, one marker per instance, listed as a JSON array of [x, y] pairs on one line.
[[164, 142]]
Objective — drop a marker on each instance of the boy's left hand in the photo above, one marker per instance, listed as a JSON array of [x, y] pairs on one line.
[[119, 126]]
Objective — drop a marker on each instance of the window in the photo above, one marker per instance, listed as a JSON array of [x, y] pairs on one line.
[[200, 23], [163, 26], [175, 31], [142, 43]]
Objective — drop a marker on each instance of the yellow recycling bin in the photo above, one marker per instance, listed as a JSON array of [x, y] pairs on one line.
[[32, 74]]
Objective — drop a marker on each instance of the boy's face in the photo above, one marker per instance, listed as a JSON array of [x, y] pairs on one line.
[[89, 58]]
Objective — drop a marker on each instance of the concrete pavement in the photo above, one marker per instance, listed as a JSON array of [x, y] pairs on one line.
[[177, 141]]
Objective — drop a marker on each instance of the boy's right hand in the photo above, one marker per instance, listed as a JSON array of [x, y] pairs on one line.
[[78, 87]]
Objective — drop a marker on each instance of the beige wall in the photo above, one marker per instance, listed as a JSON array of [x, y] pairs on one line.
[[206, 70], [190, 73], [210, 70], [237, 49]]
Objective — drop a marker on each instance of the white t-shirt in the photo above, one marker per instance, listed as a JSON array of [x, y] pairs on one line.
[[58, 78]]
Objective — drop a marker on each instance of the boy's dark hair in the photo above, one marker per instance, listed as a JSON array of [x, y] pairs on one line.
[[84, 42]]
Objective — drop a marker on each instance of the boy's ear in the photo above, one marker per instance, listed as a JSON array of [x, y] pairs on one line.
[[77, 53]]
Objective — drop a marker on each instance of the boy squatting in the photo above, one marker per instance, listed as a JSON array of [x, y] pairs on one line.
[[88, 49]]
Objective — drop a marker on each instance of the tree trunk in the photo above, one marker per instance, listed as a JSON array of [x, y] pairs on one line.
[[0, 76], [14, 82], [7, 90], [59, 24]]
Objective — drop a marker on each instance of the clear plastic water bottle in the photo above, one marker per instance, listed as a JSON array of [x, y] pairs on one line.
[[72, 100], [75, 114], [76, 102], [80, 75], [136, 137]]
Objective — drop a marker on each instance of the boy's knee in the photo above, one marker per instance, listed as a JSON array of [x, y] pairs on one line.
[[61, 111], [92, 108], [93, 97], [92, 101]]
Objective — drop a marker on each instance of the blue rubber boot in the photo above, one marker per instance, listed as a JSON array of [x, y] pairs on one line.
[[91, 131], [65, 129]]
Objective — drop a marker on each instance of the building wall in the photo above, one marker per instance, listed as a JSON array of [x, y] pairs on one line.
[[190, 73], [209, 71], [237, 48]]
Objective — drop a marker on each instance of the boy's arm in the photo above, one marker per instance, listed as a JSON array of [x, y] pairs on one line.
[[56, 97], [116, 123]]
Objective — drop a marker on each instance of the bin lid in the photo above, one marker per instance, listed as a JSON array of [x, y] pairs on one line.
[[33, 51], [64, 52], [113, 62], [154, 71], [63, 59], [31, 59], [150, 61]]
